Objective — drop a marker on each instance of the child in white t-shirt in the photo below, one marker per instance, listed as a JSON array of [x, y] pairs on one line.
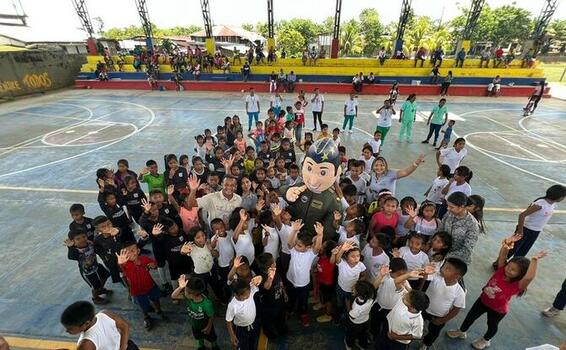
[[446, 295], [350, 231], [303, 254], [452, 156], [434, 192], [438, 247], [350, 270], [358, 316], [405, 321], [223, 250], [375, 143], [391, 284], [533, 219], [375, 255], [200, 252], [241, 235], [413, 255], [282, 219], [241, 315], [269, 234]]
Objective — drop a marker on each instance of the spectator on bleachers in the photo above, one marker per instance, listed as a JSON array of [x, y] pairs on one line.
[[246, 70], [271, 56], [446, 84], [291, 80], [236, 56], [509, 57], [526, 61], [250, 55], [460, 57], [137, 63], [498, 57], [435, 75], [494, 87], [272, 81], [305, 56], [484, 57], [226, 66], [281, 80], [370, 79], [283, 53], [382, 55], [420, 56], [259, 55], [357, 82], [437, 57], [313, 56]]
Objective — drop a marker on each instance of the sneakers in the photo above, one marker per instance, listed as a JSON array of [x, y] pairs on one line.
[[456, 334], [551, 312], [350, 131], [434, 144], [317, 307], [323, 319], [305, 320], [481, 344], [425, 141]]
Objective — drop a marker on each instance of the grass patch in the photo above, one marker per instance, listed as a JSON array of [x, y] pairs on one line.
[[554, 71]]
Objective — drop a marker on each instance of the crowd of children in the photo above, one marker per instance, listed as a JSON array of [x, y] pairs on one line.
[[215, 226]]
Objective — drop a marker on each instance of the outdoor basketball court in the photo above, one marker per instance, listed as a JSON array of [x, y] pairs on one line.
[[51, 146]]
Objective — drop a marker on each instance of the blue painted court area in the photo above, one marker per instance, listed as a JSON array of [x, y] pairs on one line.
[[51, 146]]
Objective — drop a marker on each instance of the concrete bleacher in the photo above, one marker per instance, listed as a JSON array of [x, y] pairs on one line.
[[516, 81]]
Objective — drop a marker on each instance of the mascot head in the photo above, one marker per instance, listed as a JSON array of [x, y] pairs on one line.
[[321, 166]]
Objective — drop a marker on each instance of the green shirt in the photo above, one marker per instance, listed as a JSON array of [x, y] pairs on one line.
[[290, 117], [200, 312], [409, 110], [155, 182], [438, 114]]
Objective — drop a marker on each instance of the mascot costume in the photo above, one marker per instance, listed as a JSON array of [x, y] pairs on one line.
[[315, 200]]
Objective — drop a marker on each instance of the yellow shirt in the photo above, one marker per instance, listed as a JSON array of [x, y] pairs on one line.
[[323, 135]]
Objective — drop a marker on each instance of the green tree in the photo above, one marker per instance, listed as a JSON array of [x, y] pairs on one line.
[[327, 26], [307, 28], [179, 30], [261, 28], [291, 40], [372, 31], [248, 26], [124, 33], [418, 31], [556, 34], [351, 40], [511, 23], [500, 25]]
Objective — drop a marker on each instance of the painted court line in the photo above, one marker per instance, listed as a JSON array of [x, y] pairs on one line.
[[65, 190], [49, 116], [518, 146], [152, 118]]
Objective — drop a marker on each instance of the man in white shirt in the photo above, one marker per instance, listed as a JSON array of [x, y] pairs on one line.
[[218, 204], [252, 108], [350, 112], [317, 107]]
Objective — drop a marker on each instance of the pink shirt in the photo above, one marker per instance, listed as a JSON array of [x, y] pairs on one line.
[[497, 292], [240, 145], [379, 221], [189, 218]]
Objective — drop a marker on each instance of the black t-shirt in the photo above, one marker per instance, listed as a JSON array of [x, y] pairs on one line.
[[178, 180], [86, 226], [289, 157], [106, 248], [178, 263], [265, 157], [274, 296], [202, 177], [132, 200]]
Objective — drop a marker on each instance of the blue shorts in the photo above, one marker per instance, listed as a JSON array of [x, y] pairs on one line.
[[144, 300]]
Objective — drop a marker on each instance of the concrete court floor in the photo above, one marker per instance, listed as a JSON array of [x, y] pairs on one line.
[[51, 145]]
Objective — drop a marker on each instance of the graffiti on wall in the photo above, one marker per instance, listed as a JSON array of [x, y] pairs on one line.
[[30, 82]]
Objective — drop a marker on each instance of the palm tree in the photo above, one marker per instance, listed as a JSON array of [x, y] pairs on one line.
[[351, 40]]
